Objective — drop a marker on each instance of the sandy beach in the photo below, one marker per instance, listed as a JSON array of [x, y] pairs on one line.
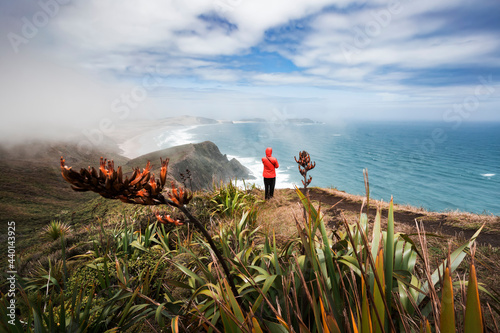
[[137, 138]]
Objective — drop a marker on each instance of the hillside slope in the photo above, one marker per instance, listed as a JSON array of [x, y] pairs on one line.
[[32, 191], [204, 161]]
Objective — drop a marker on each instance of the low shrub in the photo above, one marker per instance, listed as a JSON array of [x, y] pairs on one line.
[[55, 229]]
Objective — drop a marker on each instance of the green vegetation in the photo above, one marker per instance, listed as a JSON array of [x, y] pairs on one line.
[[55, 229], [212, 266], [138, 275], [230, 201]]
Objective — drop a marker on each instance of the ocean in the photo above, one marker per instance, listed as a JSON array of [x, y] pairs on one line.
[[437, 166]]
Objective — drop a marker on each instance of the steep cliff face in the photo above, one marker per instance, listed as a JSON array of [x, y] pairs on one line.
[[204, 161], [32, 190]]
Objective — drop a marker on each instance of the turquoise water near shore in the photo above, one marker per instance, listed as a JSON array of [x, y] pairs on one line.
[[431, 165]]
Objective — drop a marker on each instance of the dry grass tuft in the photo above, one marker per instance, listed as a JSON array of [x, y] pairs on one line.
[[278, 215], [463, 220]]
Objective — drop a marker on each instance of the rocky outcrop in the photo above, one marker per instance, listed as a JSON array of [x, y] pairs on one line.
[[204, 161], [33, 191]]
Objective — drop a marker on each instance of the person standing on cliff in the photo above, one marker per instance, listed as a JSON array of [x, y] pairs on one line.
[[270, 166]]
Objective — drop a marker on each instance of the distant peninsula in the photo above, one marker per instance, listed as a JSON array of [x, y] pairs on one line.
[[131, 136], [288, 120]]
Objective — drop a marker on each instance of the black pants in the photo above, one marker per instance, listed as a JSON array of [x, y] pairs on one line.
[[269, 187]]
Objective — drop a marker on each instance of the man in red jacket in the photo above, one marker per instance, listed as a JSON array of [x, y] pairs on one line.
[[270, 166]]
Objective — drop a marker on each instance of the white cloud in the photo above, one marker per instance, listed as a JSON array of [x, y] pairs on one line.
[[174, 26], [109, 35], [204, 62]]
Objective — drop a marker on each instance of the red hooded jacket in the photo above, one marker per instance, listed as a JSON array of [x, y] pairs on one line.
[[270, 164]]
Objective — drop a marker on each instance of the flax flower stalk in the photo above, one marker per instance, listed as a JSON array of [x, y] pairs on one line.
[[141, 188]]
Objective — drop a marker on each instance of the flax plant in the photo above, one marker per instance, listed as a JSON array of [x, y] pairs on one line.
[[142, 188], [305, 165], [359, 277], [337, 282]]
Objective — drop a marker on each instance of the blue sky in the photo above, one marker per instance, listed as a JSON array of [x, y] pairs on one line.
[[229, 59]]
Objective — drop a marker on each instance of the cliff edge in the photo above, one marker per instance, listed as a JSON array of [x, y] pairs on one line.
[[204, 161]]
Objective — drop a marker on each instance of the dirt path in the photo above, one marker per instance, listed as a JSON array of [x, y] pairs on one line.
[[433, 222]]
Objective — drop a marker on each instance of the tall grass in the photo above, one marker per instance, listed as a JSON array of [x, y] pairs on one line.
[[332, 282], [356, 278]]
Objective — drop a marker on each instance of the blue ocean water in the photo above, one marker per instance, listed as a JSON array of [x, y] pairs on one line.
[[430, 165]]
